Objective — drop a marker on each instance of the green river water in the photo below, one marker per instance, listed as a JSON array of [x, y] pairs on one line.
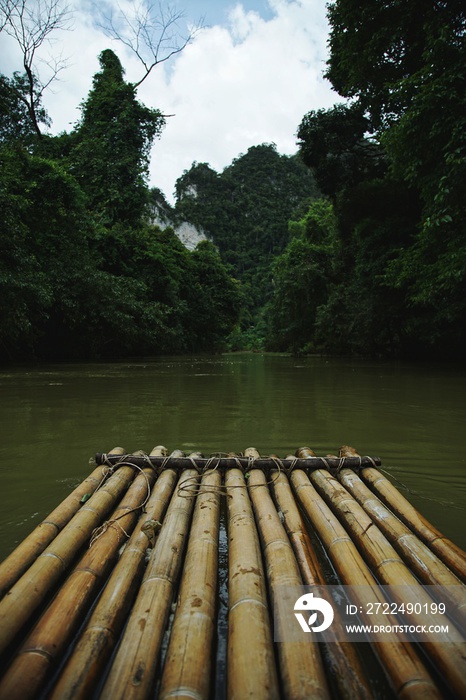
[[55, 417]]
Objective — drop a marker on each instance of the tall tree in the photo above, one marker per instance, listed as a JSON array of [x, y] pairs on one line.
[[112, 142], [302, 277], [382, 52], [334, 144], [30, 24], [404, 61]]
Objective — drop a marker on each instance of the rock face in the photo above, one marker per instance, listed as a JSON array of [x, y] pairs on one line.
[[161, 214], [189, 235]]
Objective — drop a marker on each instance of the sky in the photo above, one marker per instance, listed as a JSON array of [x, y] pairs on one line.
[[250, 74]]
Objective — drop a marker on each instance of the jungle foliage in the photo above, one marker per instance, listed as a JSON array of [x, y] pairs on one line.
[[389, 275], [355, 245], [82, 272], [244, 211]]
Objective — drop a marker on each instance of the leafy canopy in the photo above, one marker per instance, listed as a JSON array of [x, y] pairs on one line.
[[112, 142]]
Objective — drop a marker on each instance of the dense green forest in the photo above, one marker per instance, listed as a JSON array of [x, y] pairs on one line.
[[355, 245], [245, 212], [390, 267], [82, 272]]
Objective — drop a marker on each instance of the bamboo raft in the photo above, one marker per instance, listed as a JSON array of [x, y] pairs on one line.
[[121, 591]]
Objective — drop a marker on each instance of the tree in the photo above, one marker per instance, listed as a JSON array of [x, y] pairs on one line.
[[45, 254], [405, 63], [16, 124], [110, 154], [364, 314], [333, 143], [302, 276], [381, 52], [150, 31], [30, 24]]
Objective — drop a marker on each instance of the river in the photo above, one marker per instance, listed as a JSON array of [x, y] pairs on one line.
[[55, 417]]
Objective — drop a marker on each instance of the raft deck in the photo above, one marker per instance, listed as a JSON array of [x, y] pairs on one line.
[[162, 575]]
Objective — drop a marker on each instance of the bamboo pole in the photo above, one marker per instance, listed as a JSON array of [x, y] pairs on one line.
[[445, 549], [301, 669], [342, 659], [188, 664], [250, 658], [134, 667], [31, 589], [448, 654], [14, 566], [29, 668], [403, 667], [83, 669], [305, 553], [421, 560]]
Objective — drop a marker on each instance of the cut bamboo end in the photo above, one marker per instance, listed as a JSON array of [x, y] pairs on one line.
[[64, 615], [31, 589]]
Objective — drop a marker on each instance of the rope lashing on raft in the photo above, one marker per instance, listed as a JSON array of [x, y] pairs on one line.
[[159, 460], [245, 464], [190, 488], [223, 460], [108, 470]]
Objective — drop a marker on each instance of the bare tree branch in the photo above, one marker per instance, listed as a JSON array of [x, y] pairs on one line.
[[31, 24], [151, 31], [5, 12]]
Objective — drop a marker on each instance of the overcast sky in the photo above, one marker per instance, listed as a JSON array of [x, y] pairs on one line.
[[248, 77]]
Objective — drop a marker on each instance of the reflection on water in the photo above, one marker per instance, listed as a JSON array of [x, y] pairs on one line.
[[54, 418]]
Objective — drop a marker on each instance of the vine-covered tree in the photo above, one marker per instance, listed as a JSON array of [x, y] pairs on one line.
[[110, 155]]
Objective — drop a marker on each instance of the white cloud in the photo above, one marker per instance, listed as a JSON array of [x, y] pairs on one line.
[[241, 85], [248, 82]]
